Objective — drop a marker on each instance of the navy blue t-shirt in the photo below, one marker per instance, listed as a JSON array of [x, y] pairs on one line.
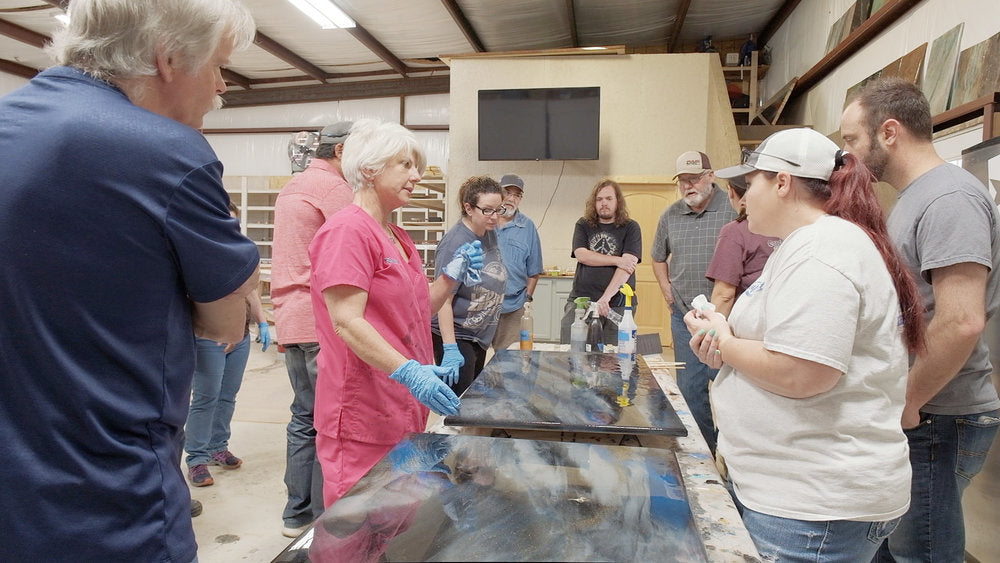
[[112, 220]]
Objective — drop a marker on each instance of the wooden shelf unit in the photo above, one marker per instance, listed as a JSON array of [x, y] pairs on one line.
[[423, 218], [749, 75]]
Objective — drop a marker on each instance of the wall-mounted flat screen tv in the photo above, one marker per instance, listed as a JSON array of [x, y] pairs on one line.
[[540, 124]]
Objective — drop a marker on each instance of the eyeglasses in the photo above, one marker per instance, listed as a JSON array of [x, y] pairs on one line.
[[691, 181], [749, 155], [490, 212]]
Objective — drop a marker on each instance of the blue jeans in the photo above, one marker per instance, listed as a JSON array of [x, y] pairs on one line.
[[303, 476], [694, 378], [784, 539], [217, 379], [946, 452]]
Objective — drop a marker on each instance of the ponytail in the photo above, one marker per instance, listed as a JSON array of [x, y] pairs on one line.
[[852, 197]]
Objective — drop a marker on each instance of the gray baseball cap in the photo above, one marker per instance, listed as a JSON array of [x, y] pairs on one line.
[[336, 133]]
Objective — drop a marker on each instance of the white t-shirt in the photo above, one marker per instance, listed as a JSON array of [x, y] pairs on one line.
[[825, 295]]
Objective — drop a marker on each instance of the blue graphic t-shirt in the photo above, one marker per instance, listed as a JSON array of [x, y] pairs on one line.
[[476, 308]]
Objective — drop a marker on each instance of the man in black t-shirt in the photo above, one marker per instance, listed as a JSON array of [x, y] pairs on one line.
[[607, 246]]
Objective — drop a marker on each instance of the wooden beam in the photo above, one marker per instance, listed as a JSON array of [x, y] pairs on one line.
[[568, 51], [865, 33], [464, 25], [775, 22], [574, 38], [17, 69], [23, 34], [675, 33], [286, 54], [339, 91], [236, 78], [366, 39], [61, 4]]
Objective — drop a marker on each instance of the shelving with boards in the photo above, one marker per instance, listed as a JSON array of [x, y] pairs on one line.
[[423, 217], [255, 196], [747, 78]]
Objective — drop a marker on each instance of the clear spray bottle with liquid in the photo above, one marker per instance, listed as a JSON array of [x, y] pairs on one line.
[[527, 328], [578, 330], [627, 329]]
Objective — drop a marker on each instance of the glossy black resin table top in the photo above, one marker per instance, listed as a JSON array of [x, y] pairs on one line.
[[438, 497], [567, 391]]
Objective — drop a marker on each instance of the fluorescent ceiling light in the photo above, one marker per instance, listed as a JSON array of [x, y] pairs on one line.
[[324, 12]]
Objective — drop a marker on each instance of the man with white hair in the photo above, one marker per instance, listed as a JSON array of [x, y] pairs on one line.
[[682, 250], [119, 250]]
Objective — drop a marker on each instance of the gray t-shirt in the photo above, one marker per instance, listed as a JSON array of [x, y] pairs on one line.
[[477, 307], [942, 218]]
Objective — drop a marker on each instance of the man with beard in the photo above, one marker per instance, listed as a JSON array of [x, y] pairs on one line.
[[522, 255], [686, 235], [946, 228], [607, 245]]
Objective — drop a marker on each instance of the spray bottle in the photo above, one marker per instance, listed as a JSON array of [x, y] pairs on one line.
[[595, 330], [527, 327], [627, 328], [578, 330]]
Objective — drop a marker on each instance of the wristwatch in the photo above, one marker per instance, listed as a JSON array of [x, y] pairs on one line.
[[530, 298]]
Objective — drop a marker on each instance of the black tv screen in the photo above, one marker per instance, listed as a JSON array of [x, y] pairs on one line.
[[540, 124]]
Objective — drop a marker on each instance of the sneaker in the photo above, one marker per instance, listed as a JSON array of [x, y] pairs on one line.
[[195, 508], [226, 460], [292, 532], [200, 476]]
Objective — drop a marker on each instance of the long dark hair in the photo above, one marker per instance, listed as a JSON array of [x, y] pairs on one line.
[[621, 212], [850, 195]]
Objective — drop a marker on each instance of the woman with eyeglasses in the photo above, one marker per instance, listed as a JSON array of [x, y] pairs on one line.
[[465, 324], [814, 359]]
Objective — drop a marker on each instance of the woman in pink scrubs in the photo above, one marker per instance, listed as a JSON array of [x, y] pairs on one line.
[[373, 306]]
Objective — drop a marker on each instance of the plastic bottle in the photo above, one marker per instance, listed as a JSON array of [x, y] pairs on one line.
[[627, 329], [527, 328], [595, 330], [578, 330]]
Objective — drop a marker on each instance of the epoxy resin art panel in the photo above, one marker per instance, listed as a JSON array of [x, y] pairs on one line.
[[441, 497], [567, 391]]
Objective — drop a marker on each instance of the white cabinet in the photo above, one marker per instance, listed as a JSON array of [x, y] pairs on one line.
[[549, 302]]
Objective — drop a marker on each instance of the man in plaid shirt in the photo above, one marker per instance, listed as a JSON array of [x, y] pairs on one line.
[[682, 250]]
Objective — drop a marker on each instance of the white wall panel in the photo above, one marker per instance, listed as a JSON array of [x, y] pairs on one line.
[[9, 83], [427, 110], [253, 155], [303, 115]]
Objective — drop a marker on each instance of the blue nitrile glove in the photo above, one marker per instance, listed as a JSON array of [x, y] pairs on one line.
[[264, 336], [409, 457], [466, 264], [453, 360], [426, 385]]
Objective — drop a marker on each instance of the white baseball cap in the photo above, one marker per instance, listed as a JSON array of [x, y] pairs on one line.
[[802, 152]]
